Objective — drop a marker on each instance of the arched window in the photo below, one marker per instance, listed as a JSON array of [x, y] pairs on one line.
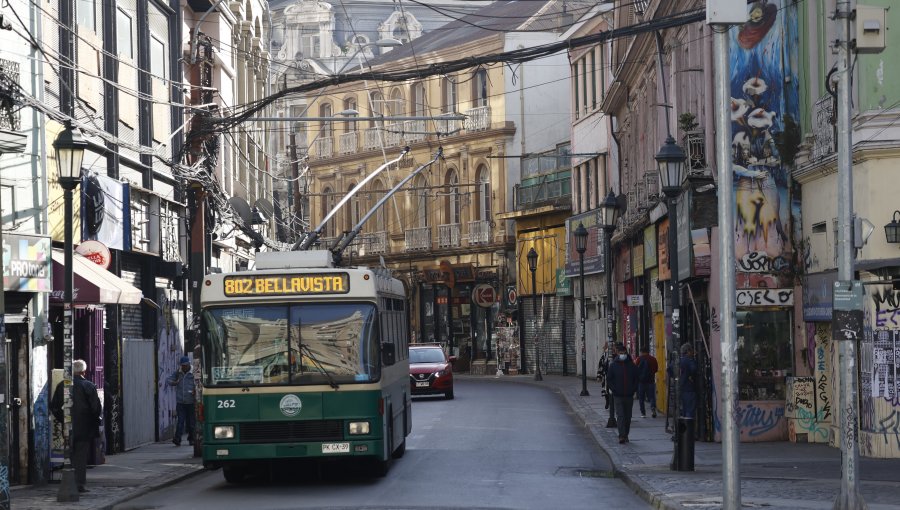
[[351, 216], [483, 194], [451, 199], [327, 204], [325, 111], [378, 191], [419, 107], [420, 195], [480, 88], [397, 106], [350, 104], [450, 99], [376, 107]]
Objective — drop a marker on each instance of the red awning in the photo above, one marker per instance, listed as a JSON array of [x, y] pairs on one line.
[[93, 285]]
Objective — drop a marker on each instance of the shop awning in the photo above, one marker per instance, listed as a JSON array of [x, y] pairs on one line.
[[93, 285]]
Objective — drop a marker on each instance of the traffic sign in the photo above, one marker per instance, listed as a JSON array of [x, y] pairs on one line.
[[484, 295]]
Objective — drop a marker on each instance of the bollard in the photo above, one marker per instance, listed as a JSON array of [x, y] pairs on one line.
[[683, 457]]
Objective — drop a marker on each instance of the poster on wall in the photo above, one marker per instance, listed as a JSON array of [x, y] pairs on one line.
[[105, 211]]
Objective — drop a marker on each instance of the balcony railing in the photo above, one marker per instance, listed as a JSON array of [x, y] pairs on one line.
[[823, 127], [375, 243], [446, 127], [478, 119], [392, 134], [324, 147], [544, 189], [479, 232], [413, 130], [418, 239], [371, 140], [448, 235], [695, 146], [348, 143]]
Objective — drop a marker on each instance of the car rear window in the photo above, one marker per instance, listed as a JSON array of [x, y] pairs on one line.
[[426, 356]]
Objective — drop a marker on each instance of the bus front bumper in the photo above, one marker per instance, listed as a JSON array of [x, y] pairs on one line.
[[217, 455]]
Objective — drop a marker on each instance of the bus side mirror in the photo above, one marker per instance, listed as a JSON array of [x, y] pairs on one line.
[[388, 356]]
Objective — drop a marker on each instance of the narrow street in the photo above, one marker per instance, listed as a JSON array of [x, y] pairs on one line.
[[493, 446]]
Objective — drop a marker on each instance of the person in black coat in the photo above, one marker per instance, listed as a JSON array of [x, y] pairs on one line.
[[688, 374], [623, 379], [86, 412]]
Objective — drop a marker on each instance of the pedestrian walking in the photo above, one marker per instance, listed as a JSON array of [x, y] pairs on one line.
[[647, 368], [623, 378], [688, 374], [86, 412], [183, 381], [602, 376]]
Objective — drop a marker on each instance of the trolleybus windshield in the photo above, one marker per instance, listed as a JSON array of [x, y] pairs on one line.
[[314, 343]]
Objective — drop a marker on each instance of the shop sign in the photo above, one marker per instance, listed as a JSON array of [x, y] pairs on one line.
[[463, 272], [512, 297], [96, 252], [637, 260], [26, 263], [433, 275], [662, 250], [817, 296], [563, 283], [484, 295], [683, 238], [765, 297], [635, 300]]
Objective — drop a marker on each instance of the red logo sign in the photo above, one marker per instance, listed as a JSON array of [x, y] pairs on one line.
[[484, 295], [96, 252]]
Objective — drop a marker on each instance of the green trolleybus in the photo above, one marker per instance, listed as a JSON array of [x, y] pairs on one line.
[[303, 360]]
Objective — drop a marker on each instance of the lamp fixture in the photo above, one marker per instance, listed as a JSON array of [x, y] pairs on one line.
[[670, 160], [892, 229], [581, 235]]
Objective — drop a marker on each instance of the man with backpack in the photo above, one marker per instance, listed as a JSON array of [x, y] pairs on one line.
[[647, 368]]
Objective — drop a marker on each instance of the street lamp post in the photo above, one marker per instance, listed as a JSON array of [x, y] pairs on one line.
[[69, 146], [609, 215], [670, 161], [581, 245], [532, 265]]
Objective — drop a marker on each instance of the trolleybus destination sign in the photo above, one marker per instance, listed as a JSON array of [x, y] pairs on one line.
[[286, 285]]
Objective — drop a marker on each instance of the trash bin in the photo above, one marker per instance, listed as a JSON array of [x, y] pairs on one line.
[[683, 457]]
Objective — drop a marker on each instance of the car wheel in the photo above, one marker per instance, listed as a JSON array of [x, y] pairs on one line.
[[234, 475], [449, 395]]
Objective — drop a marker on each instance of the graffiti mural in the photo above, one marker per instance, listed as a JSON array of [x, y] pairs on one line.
[[762, 109], [879, 373], [171, 348]]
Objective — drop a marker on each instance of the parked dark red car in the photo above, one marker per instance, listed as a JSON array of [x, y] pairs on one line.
[[430, 370]]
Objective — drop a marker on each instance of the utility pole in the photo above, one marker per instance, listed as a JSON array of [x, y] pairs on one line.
[[296, 212], [721, 15], [849, 497]]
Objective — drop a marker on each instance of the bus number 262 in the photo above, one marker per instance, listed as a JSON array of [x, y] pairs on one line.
[[223, 404]]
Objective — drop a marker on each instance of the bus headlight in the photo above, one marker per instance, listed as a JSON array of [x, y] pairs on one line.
[[359, 428], [224, 432]]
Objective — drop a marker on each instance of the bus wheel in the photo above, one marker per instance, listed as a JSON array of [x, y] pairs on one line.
[[400, 450], [234, 474]]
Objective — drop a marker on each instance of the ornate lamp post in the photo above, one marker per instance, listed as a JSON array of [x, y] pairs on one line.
[[581, 235], [532, 265], [69, 147], [670, 160], [609, 215]]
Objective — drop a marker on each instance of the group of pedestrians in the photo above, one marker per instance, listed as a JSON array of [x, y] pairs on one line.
[[623, 378]]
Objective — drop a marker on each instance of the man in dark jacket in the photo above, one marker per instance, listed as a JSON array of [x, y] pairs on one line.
[[647, 368], [623, 379], [86, 411], [688, 379]]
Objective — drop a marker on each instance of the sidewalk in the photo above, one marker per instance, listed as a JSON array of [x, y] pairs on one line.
[[781, 475], [123, 477]]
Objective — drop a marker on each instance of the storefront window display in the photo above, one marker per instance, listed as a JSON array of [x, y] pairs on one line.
[[764, 353]]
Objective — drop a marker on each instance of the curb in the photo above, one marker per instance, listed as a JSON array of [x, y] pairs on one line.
[[148, 488]]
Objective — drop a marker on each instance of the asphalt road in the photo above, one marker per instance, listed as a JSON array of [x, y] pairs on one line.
[[497, 445]]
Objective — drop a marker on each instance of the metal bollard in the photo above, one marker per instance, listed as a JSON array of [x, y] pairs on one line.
[[683, 457]]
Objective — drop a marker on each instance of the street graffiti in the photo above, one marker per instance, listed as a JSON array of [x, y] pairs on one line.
[[765, 297], [171, 347], [813, 424], [757, 420], [887, 308], [761, 262], [714, 320], [800, 396]]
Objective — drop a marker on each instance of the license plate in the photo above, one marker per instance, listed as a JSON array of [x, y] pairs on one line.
[[335, 447], [421, 384]]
